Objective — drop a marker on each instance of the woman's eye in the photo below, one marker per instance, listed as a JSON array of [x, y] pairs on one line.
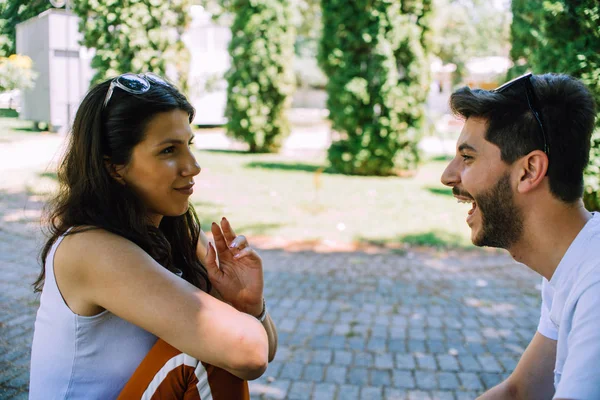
[[168, 150]]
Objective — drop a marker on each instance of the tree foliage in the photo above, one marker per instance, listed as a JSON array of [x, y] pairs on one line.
[[135, 36], [374, 54], [463, 29], [13, 12], [16, 72], [563, 36], [260, 80]]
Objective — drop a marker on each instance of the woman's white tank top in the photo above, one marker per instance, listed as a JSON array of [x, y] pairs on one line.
[[76, 357]]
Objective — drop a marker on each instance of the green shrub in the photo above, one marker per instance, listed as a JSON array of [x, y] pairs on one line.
[[16, 72], [134, 36], [374, 54], [563, 36], [260, 80]]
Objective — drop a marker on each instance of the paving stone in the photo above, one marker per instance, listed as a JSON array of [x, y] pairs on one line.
[[342, 357], [469, 363], [447, 362], [384, 361], [426, 380], [363, 359], [358, 376], [322, 357], [442, 395], [324, 391], [292, 371], [448, 380], [394, 394], [426, 361], [371, 393], [349, 392], [380, 377], [403, 379], [405, 361], [335, 374], [313, 373], [301, 391], [418, 395], [470, 381]]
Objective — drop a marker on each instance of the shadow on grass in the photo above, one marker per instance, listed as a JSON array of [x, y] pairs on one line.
[[440, 191], [258, 229], [8, 113], [51, 175], [298, 167], [287, 167], [32, 128], [225, 151], [432, 239], [444, 157]]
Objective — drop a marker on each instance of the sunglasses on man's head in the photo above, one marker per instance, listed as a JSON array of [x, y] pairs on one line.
[[532, 102], [133, 83]]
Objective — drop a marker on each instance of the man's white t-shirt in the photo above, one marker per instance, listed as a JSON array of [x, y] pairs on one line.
[[571, 315]]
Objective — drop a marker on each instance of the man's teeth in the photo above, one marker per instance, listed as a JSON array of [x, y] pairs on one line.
[[466, 201]]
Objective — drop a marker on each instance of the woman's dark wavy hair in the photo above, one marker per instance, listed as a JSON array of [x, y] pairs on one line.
[[567, 112], [89, 198]]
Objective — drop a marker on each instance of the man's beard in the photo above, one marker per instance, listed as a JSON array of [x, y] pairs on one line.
[[501, 219]]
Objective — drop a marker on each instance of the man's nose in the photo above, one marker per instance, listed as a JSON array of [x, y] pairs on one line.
[[450, 176]]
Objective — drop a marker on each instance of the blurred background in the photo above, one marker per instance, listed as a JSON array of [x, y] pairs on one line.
[[317, 120], [322, 129]]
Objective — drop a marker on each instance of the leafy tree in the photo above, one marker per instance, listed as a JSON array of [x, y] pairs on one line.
[[374, 54], [260, 80], [16, 73], [134, 35], [13, 12], [563, 36], [463, 29]]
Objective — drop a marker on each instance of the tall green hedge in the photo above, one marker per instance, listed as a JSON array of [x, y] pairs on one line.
[[374, 54], [563, 36], [133, 36], [260, 80]]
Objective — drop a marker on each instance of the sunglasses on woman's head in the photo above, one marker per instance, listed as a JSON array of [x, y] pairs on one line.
[[532, 102], [133, 83]]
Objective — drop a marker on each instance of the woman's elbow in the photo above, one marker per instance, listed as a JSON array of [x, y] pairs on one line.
[[252, 360]]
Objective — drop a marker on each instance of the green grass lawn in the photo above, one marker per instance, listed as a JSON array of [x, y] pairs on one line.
[[290, 197], [287, 197], [12, 128]]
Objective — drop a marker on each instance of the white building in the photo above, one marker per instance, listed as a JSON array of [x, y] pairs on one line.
[[51, 40]]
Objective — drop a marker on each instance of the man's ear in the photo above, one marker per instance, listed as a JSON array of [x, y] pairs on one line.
[[114, 170], [532, 171]]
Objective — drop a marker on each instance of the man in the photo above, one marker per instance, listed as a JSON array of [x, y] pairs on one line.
[[519, 160]]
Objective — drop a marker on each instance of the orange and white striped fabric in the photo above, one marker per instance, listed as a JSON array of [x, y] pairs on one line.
[[167, 373]]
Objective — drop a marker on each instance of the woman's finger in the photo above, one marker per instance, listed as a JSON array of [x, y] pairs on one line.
[[220, 242], [227, 230], [246, 253], [210, 262], [240, 242]]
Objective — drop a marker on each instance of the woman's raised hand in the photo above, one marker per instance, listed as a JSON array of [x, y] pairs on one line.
[[237, 276]]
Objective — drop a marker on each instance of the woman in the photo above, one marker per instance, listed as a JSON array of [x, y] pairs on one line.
[[127, 263]]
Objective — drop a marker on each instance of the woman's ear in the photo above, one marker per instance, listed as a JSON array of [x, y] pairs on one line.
[[114, 170]]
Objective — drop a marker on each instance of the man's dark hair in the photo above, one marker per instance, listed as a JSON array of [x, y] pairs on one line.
[[567, 113]]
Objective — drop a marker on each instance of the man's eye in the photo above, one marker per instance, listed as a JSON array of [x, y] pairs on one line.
[[168, 150], [466, 157]]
